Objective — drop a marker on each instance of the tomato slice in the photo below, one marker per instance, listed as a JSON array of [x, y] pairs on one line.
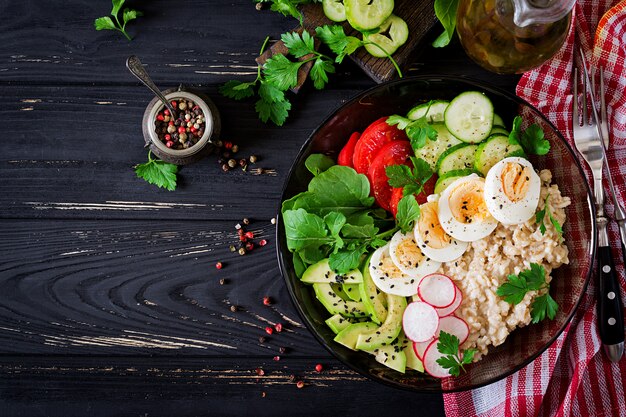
[[372, 140], [396, 152], [345, 156], [396, 194]]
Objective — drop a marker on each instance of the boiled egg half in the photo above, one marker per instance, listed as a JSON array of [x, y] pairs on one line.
[[512, 190], [462, 210], [433, 241]]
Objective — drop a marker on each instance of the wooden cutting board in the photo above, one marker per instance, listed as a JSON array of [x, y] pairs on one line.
[[419, 16]]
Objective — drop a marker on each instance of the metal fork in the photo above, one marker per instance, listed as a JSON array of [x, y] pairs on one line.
[[588, 141]]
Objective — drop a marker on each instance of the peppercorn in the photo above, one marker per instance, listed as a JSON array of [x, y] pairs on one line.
[[278, 327], [262, 392], [300, 384], [219, 265], [282, 350], [261, 339], [234, 149], [246, 221], [222, 281], [233, 308], [292, 378], [249, 246], [269, 330], [250, 235], [225, 168], [238, 227], [219, 144], [243, 163], [319, 367], [276, 358], [253, 159], [228, 145], [242, 251], [232, 248], [232, 163], [267, 301], [260, 371], [262, 242], [259, 6], [273, 221]]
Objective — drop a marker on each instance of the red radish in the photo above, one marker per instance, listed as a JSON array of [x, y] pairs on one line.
[[458, 297], [437, 290], [455, 326], [430, 361], [420, 321], [420, 347]]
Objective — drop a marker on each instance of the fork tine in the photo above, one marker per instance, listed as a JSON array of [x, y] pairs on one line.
[[575, 119], [586, 118], [603, 117]]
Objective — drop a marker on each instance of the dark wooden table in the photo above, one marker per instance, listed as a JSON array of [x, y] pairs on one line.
[[110, 304]]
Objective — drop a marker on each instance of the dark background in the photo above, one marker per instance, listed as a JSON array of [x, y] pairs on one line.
[[110, 304]]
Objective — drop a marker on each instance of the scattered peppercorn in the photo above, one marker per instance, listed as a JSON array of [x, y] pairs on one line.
[[267, 301], [250, 235], [273, 221], [219, 265], [300, 384], [253, 159], [225, 168], [262, 393], [319, 367], [269, 330], [282, 350], [278, 327], [238, 227], [222, 281], [249, 246], [232, 163], [276, 358], [292, 378], [242, 251], [246, 221], [262, 339], [232, 248], [187, 134], [259, 6], [233, 308], [262, 242], [228, 145], [260, 371]]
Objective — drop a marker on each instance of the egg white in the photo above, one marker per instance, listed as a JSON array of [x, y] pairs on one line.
[[408, 256], [388, 277], [453, 250]]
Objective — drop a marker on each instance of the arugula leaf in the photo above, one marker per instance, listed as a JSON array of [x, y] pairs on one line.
[[281, 72], [312, 254], [453, 360], [157, 172], [106, 23], [366, 231], [317, 163], [344, 261], [299, 45], [335, 222], [298, 265], [304, 229], [532, 140], [408, 213], [349, 189], [445, 10], [543, 306], [237, 90], [540, 219]]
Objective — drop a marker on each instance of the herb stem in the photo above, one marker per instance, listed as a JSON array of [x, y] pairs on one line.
[[393, 61]]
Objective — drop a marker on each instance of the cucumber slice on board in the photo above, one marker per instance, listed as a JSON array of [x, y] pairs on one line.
[[469, 116], [449, 177], [366, 15], [334, 10], [398, 33], [435, 148], [493, 150], [457, 157], [433, 111]]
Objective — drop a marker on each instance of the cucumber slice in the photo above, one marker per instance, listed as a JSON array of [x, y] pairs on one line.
[[434, 148], [460, 156], [449, 177], [497, 121], [469, 116], [494, 149], [334, 10], [498, 129], [435, 110], [392, 34], [367, 14]]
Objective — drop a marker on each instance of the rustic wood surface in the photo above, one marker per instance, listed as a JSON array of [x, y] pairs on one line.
[[110, 304]]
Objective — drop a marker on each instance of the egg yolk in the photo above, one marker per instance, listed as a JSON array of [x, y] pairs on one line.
[[515, 181], [409, 254], [390, 268], [467, 203], [429, 227]]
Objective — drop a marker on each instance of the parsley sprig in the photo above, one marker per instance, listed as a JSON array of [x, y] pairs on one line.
[[287, 7], [106, 23], [280, 73], [418, 131], [411, 180], [157, 172], [540, 217], [532, 140], [454, 358], [534, 279]]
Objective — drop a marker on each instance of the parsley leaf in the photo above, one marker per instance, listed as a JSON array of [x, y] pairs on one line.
[[281, 72], [540, 219], [276, 111], [533, 279], [237, 90], [408, 213], [418, 131], [454, 359], [287, 8], [319, 72], [157, 172], [445, 10], [532, 140], [412, 180], [299, 45], [337, 40], [106, 23]]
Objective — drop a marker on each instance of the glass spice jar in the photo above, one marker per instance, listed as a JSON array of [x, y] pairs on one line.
[[186, 138], [513, 36]]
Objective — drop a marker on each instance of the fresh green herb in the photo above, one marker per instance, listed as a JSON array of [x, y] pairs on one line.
[[454, 360], [106, 23], [412, 180], [534, 279], [287, 7], [540, 218], [317, 163], [446, 13], [408, 213], [532, 140], [418, 131], [157, 172], [338, 224]]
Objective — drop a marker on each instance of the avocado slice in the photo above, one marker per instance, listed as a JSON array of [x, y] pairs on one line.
[[321, 272], [390, 328], [412, 361], [352, 291], [328, 296], [372, 298], [391, 357], [337, 323], [348, 336]]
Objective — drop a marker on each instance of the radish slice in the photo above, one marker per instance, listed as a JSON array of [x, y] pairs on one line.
[[420, 347], [455, 326], [420, 321], [430, 361], [458, 297], [437, 290]]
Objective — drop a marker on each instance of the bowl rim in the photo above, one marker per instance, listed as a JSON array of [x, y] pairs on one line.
[[281, 248]]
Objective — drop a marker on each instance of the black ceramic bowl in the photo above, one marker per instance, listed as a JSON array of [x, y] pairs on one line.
[[569, 281]]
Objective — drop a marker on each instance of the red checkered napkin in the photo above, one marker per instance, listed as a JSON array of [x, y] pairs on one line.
[[572, 377]]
